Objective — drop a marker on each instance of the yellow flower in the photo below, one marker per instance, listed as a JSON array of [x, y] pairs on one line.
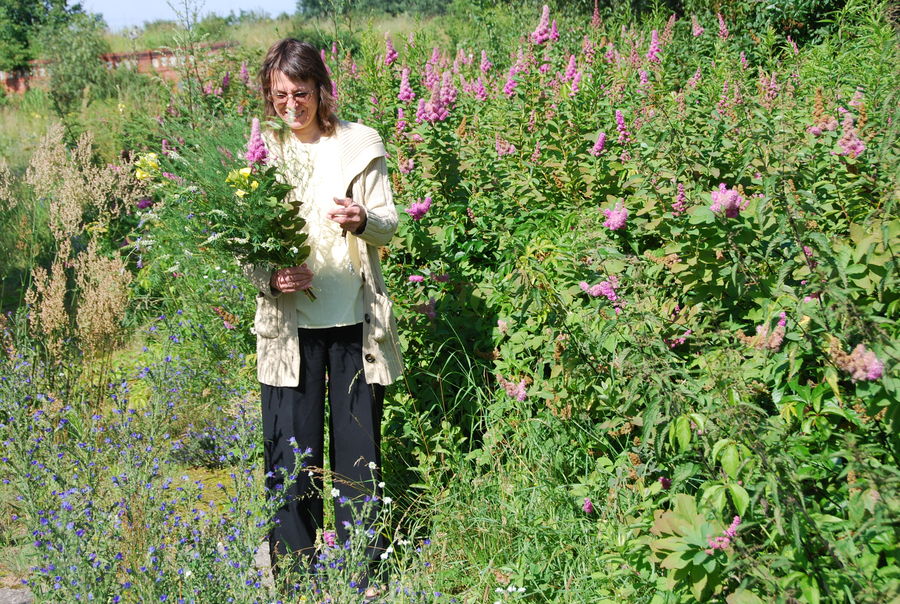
[[141, 174], [254, 184], [245, 171], [121, 107], [240, 193]]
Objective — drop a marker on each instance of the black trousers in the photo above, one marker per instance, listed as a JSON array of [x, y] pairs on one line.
[[293, 423]]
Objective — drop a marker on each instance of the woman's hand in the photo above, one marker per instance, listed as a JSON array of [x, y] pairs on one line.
[[293, 279], [351, 216]]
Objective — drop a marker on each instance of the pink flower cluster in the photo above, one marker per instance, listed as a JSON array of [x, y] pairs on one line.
[[624, 134], [615, 217], [516, 391], [723, 31], [862, 364], [406, 93], [673, 342], [851, 144], [723, 541], [588, 506], [653, 52], [256, 149], [509, 89], [542, 32], [406, 165], [728, 201], [390, 52], [678, 206], [436, 109], [696, 29], [503, 147], [597, 149], [604, 288], [766, 339], [485, 65], [418, 209]]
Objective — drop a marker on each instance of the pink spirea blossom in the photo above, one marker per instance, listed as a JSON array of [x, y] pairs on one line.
[[597, 149], [728, 201], [571, 68], [723, 31], [418, 209], [406, 166], [744, 62], [509, 89], [244, 74], [857, 99], [695, 79], [485, 65], [850, 143], [575, 85], [588, 506], [390, 52], [696, 29], [542, 32], [588, 49], [401, 120], [595, 17], [653, 52], [536, 154], [406, 93], [554, 32], [616, 217], [448, 89], [329, 538], [514, 390], [256, 149], [503, 146], [433, 110], [416, 278], [862, 365], [679, 205], [624, 134], [724, 541], [478, 89], [673, 342], [793, 45], [605, 288]]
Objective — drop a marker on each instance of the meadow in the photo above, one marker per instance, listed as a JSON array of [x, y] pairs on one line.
[[646, 284]]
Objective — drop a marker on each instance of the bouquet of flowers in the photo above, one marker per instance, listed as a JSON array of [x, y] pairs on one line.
[[231, 206]]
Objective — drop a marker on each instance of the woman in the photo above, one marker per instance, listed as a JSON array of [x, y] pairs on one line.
[[346, 337]]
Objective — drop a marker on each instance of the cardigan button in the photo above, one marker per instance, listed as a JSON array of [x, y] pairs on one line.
[[370, 358], [367, 318]]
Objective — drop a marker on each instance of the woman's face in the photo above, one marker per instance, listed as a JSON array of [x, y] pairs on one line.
[[297, 103]]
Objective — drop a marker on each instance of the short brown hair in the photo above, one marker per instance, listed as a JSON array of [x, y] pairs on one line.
[[300, 61]]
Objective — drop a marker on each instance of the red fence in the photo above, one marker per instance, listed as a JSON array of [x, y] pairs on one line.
[[163, 62]]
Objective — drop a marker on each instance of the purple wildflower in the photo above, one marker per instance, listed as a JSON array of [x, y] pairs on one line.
[[509, 89], [679, 205], [416, 278], [696, 29], [624, 135], [665, 483], [587, 507], [144, 203], [723, 31]]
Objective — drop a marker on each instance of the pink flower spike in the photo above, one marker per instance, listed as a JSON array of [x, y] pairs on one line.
[[256, 149], [416, 278], [588, 506], [390, 52], [727, 201], [542, 32], [485, 64], [597, 149]]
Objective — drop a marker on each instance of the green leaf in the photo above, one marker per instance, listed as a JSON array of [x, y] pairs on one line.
[[730, 460], [739, 497]]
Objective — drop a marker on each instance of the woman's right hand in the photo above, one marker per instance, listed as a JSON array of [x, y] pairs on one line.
[[292, 279]]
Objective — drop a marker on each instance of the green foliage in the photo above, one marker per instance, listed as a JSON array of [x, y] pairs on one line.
[[77, 73], [20, 23]]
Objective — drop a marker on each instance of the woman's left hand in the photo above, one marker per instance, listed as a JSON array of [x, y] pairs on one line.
[[351, 216]]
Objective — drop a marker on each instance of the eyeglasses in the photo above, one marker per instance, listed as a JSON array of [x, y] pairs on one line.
[[300, 97]]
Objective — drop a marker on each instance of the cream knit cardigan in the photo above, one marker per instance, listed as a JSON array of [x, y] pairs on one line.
[[364, 172]]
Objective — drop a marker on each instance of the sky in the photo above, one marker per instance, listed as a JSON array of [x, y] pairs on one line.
[[123, 14]]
